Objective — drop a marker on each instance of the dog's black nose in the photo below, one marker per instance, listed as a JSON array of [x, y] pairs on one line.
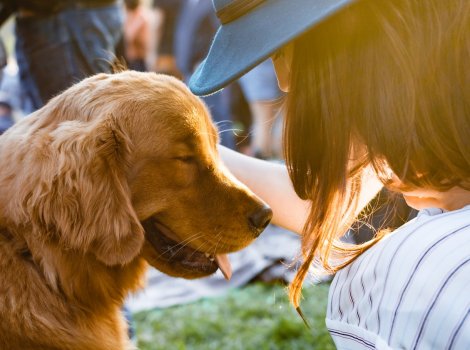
[[260, 219]]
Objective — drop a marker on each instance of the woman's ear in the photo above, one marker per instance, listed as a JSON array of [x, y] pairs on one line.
[[87, 201], [282, 61]]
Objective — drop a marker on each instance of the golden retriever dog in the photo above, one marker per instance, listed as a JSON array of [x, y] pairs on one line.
[[117, 172]]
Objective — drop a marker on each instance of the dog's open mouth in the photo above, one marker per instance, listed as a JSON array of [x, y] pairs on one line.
[[166, 245]]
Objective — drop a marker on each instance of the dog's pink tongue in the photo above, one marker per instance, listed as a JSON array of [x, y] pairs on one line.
[[224, 265]]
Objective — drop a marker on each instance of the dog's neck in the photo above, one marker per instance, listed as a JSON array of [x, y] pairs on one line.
[[78, 279]]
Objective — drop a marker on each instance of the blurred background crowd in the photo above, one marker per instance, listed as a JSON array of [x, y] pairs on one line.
[[47, 46]]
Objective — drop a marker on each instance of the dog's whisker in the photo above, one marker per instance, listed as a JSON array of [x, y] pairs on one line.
[[183, 243], [198, 249], [188, 239], [216, 246], [181, 246], [234, 131], [222, 122]]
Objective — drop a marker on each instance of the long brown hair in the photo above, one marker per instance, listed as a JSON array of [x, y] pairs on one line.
[[383, 83]]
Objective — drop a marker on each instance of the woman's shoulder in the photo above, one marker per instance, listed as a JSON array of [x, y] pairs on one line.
[[410, 285], [424, 251], [432, 230]]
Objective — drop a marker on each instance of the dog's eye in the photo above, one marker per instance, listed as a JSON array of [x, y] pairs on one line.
[[186, 159]]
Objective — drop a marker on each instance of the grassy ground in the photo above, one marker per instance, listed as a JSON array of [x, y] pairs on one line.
[[257, 317]]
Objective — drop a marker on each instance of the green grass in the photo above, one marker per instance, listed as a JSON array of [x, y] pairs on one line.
[[257, 317]]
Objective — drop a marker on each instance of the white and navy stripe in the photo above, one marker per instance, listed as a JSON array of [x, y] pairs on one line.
[[409, 291]]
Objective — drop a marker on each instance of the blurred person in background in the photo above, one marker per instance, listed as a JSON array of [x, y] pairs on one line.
[[167, 12], [194, 31], [61, 42], [136, 35]]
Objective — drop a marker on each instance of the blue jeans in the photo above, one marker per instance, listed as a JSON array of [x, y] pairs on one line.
[[56, 51]]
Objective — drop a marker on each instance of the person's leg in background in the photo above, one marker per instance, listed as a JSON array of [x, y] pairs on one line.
[[55, 51], [264, 116], [42, 52], [166, 13], [263, 95]]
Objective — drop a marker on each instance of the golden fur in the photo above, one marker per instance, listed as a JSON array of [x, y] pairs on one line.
[[84, 181]]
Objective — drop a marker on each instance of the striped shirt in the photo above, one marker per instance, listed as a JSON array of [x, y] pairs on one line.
[[410, 291]]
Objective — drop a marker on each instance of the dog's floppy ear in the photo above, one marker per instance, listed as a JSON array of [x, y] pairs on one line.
[[84, 199]]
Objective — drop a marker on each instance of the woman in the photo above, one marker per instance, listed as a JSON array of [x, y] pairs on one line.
[[376, 90]]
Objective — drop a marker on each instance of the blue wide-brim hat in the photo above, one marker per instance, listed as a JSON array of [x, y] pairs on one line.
[[251, 31]]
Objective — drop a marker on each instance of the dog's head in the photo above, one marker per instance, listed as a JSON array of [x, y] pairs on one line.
[[126, 165]]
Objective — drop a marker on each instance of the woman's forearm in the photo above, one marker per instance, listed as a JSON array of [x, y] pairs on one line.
[[271, 182]]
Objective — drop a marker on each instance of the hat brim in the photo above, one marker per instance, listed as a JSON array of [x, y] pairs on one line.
[[241, 45]]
